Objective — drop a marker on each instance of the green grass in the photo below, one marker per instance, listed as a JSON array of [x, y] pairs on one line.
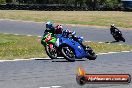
[[104, 47], [20, 46], [92, 18], [13, 47]]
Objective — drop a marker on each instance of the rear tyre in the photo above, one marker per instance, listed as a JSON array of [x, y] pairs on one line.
[[116, 38], [68, 53], [52, 53]]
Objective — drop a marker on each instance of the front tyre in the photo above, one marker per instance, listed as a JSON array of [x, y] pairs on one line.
[[91, 54], [68, 53], [123, 39], [51, 52]]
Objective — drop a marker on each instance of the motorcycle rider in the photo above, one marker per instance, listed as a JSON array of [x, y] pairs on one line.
[[58, 29], [67, 33], [115, 32], [113, 29], [53, 30], [49, 28]]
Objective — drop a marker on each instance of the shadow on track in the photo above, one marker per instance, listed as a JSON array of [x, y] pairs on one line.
[[112, 42], [57, 60], [42, 59], [66, 60]]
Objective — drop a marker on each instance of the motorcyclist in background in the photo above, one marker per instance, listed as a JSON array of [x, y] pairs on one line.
[[116, 33], [113, 29]]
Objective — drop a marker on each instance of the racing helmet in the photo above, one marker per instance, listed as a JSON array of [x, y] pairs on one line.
[[65, 33], [112, 25], [49, 25], [58, 29]]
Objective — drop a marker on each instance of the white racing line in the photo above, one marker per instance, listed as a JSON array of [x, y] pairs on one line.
[[24, 59], [49, 58], [52, 87], [19, 21], [25, 35], [114, 52]]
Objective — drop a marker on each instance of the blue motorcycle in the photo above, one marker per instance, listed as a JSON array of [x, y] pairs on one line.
[[71, 47]]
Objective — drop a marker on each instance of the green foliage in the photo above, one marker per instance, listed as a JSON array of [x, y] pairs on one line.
[[9, 1], [87, 3], [2, 1], [111, 3]]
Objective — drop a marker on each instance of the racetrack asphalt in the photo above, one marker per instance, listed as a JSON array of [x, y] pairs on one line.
[[53, 73], [47, 73], [37, 29]]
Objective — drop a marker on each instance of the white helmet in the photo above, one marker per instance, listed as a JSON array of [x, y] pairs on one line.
[[112, 25]]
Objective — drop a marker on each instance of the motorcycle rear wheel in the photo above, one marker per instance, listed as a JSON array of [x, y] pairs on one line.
[[68, 53], [116, 38]]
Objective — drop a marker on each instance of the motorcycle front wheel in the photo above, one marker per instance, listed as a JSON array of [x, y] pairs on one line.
[[91, 54], [123, 39], [68, 53], [52, 53]]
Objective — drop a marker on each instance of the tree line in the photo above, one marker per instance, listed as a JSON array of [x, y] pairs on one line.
[[92, 4]]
